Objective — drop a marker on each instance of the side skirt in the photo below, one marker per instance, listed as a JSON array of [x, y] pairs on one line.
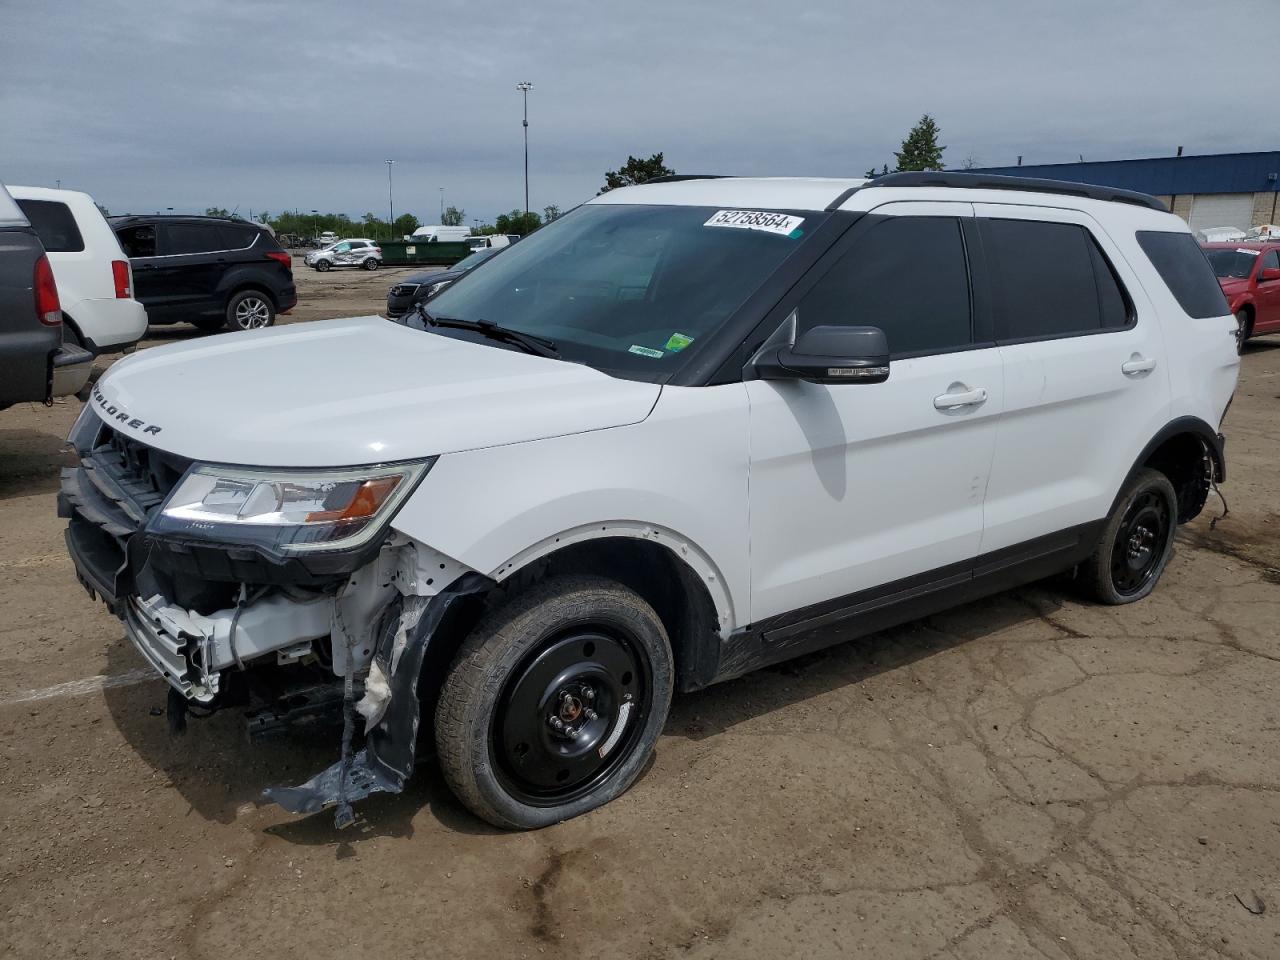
[[798, 632]]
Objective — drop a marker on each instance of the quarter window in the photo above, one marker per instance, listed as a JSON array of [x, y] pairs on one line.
[[236, 237], [183, 238], [907, 276], [1270, 261], [1050, 280], [1183, 267], [54, 225]]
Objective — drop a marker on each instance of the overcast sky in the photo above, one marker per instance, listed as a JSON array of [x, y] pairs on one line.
[[254, 104]]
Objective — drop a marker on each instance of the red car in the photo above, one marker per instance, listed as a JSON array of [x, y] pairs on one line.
[[1249, 272]]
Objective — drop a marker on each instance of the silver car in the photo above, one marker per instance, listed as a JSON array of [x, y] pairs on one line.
[[346, 253]]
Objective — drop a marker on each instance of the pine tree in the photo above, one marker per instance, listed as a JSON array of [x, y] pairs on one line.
[[920, 151]]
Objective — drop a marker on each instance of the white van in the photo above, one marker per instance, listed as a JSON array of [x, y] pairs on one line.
[[737, 429], [441, 234], [94, 277]]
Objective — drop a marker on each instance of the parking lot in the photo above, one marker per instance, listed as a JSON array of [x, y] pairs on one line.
[[1027, 776]]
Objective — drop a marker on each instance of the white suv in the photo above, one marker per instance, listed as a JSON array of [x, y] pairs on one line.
[[356, 252], [688, 429], [95, 281]]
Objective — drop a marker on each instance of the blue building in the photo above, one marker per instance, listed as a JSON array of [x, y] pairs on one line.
[[1215, 190]]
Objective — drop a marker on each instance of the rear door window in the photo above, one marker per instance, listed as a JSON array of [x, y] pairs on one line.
[[909, 277], [1183, 267], [54, 225], [186, 238], [236, 236], [1050, 280]]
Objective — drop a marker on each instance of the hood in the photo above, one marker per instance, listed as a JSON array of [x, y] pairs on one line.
[[354, 391], [1231, 286], [429, 278]]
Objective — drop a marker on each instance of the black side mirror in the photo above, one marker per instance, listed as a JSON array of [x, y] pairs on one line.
[[829, 354]]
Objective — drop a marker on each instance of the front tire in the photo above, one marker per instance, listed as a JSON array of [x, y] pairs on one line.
[[323, 265], [1244, 329], [554, 702], [1136, 543]]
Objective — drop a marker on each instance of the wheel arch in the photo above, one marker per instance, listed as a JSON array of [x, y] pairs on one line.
[[1189, 452], [669, 572]]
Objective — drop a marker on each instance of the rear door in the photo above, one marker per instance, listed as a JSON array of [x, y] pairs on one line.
[[874, 487], [190, 261], [1084, 376]]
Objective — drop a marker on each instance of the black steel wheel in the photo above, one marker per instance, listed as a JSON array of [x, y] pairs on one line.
[[1137, 541], [569, 714], [554, 702]]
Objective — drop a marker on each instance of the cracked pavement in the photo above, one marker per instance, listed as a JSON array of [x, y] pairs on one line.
[[1027, 776]]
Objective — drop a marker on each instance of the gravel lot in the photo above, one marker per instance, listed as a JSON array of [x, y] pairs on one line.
[[1029, 776]]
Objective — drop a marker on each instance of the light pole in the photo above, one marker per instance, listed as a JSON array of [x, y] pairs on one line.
[[442, 205], [390, 198], [315, 223], [524, 87]]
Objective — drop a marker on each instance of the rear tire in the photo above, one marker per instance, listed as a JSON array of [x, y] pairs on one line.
[[1136, 543], [554, 703], [371, 263], [250, 310]]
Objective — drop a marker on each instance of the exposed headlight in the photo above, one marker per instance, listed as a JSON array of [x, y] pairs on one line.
[[287, 511], [437, 287]]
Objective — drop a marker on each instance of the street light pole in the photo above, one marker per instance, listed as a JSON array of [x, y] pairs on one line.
[[315, 223], [391, 202], [524, 87], [442, 205]]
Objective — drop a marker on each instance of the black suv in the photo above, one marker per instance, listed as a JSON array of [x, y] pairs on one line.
[[209, 271]]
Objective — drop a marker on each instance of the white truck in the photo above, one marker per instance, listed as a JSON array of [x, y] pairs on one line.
[[688, 429], [441, 234]]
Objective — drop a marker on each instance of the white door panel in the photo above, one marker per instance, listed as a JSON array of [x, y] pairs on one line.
[[855, 486]]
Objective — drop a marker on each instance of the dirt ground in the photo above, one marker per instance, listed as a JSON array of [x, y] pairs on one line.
[[1028, 776]]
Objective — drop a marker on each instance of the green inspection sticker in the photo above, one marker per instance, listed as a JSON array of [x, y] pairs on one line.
[[645, 351], [678, 341]]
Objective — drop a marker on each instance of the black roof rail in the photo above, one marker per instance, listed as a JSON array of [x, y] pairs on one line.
[[676, 177], [991, 181]]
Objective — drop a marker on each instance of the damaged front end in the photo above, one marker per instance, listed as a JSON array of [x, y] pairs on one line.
[[284, 589]]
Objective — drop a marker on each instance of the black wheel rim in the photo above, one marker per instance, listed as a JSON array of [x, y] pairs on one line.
[[1140, 543], [570, 715]]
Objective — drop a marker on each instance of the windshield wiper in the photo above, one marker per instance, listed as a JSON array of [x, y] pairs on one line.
[[528, 342]]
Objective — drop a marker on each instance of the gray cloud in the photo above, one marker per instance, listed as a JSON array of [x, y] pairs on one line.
[[262, 105]]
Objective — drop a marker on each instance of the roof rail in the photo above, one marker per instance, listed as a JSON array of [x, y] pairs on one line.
[[676, 177], [989, 181]]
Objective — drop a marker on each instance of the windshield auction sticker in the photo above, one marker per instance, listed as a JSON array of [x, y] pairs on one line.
[[779, 223]]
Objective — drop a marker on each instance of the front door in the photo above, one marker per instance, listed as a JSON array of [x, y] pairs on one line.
[[861, 486], [1267, 295]]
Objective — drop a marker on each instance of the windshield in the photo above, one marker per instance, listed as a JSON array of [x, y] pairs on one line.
[[473, 260], [1232, 263], [629, 289]]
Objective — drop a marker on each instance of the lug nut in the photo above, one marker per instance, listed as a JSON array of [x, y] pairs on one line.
[[588, 694], [589, 713]]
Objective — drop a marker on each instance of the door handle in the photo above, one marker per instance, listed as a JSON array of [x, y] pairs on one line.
[[966, 398], [1137, 364]]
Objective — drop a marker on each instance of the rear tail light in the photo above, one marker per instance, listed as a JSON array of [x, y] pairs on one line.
[[123, 277], [281, 257], [377, 249], [47, 305]]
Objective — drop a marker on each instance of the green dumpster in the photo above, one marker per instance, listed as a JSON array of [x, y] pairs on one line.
[[406, 252]]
